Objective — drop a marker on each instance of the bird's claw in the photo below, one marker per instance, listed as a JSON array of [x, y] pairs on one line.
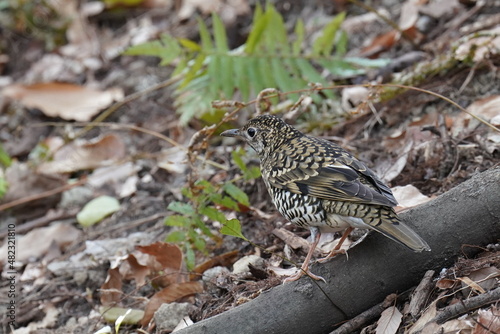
[[301, 272]]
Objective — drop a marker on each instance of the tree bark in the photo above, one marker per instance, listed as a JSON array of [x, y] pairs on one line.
[[467, 215]]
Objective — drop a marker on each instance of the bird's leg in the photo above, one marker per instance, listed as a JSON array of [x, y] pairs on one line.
[[304, 270], [337, 249]]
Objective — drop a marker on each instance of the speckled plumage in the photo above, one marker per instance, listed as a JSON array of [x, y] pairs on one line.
[[317, 184]]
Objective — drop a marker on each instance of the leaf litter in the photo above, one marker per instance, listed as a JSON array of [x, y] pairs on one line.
[[419, 134]]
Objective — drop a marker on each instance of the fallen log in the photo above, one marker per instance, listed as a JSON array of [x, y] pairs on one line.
[[467, 215]]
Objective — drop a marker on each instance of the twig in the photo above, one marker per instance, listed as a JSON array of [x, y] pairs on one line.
[[41, 195], [367, 316], [42, 221], [467, 305]]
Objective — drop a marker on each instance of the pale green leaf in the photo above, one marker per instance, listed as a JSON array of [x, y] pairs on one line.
[[242, 79], [194, 70], [190, 258], [97, 209], [282, 76], [182, 208], [176, 236], [206, 40], [266, 72], [213, 214], [112, 314], [299, 37], [233, 228], [365, 62], [260, 23], [236, 193], [323, 45], [177, 220], [226, 76], [190, 45], [220, 35]]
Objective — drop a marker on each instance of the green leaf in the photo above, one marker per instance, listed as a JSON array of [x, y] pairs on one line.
[[236, 193], [193, 71], [97, 209], [299, 37], [176, 236], [190, 258], [201, 225], [237, 158], [365, 62], [219, 34], [242, 80], [233, 228], [226, 76], [5, 159], [260, 23], [190, 45], [206, 40], [182, 208], [177, 220], [200, 244], [266, 72], [252, 173], [213, 214], [283, 79], [323, 45], [4, 186]]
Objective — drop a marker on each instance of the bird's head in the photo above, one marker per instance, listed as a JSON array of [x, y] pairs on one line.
[[264, 133]]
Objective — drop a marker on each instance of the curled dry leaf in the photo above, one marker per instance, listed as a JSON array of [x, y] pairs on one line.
[[68, 101], [80, 155], [167, 259], [170, 294]]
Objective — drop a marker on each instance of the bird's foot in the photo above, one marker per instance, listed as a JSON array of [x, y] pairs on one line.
[[303, 272], [333, 253]]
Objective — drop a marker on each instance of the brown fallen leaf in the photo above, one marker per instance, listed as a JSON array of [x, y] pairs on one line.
[[68, 101], [170, 294], [488, 321], [225, 260], [167, 259], [132, 269], [111, 288]]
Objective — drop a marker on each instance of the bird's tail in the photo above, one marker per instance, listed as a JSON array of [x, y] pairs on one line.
[[388, 223]]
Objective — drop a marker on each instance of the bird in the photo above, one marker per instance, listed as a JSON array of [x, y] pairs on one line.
[[317, 184]]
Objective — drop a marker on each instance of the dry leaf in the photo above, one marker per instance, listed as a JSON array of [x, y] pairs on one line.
[[409, 196], [37, 242], [225, 260], [389, 321], [68, 101], [24, 181], [466, 281], [132, 269], [485, 45], [488, 321], [111, 288], [167, 259], [169, 294], [445, 283], [80, 155], [424, 319]]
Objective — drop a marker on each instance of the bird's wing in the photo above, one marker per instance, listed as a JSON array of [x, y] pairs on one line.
[[340, 177]]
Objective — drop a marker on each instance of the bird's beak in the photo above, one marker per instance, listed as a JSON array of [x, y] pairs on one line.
[[231, 133]]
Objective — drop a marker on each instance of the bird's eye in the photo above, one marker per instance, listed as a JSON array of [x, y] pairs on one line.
[[251, 132]]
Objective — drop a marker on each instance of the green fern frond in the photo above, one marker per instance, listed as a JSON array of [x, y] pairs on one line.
[[269, 58]]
